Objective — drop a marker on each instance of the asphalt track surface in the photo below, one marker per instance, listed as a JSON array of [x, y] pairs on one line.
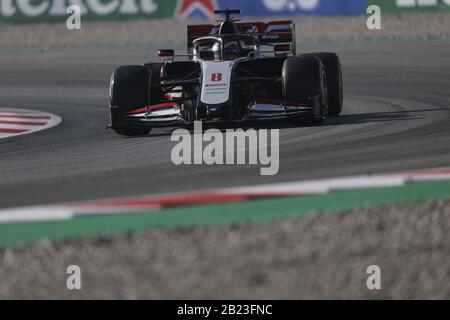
[[397, 115]]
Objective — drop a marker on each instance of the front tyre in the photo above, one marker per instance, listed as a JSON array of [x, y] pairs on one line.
[[303, 79], [129, 89], [333, 72]]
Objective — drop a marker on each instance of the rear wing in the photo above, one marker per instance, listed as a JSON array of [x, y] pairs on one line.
[[271, 33]]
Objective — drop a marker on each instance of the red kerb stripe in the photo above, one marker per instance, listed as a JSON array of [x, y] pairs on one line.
[[24, 123], [166, 201], [24, 117], [3, 130]]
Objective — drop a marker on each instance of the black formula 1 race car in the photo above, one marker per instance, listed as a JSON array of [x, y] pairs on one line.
[[228, 77]]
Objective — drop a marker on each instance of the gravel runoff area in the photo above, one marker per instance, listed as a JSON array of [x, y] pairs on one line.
[[319, 256], [423, 26]]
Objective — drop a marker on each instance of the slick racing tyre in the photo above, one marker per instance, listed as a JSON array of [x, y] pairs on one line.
[[333, 72], [303, 78], [130, 89]]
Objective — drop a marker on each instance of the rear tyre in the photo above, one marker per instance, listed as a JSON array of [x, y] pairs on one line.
[[303, 78], [333, 72], [130, 89]]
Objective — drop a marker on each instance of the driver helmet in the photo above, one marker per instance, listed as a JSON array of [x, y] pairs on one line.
[[231, 51]]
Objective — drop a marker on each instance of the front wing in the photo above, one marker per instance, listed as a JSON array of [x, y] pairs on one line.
[[170, 114]]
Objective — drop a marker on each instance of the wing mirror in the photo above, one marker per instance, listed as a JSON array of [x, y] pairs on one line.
[[167, 53]]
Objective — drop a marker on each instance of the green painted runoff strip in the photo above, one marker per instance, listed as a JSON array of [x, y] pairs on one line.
[[216, 214]]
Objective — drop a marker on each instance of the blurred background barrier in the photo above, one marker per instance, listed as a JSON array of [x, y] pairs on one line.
[[55, 10], [399, 6], [294, 7]]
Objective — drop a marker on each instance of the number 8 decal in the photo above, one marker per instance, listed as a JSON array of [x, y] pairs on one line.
[[216, 77]]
